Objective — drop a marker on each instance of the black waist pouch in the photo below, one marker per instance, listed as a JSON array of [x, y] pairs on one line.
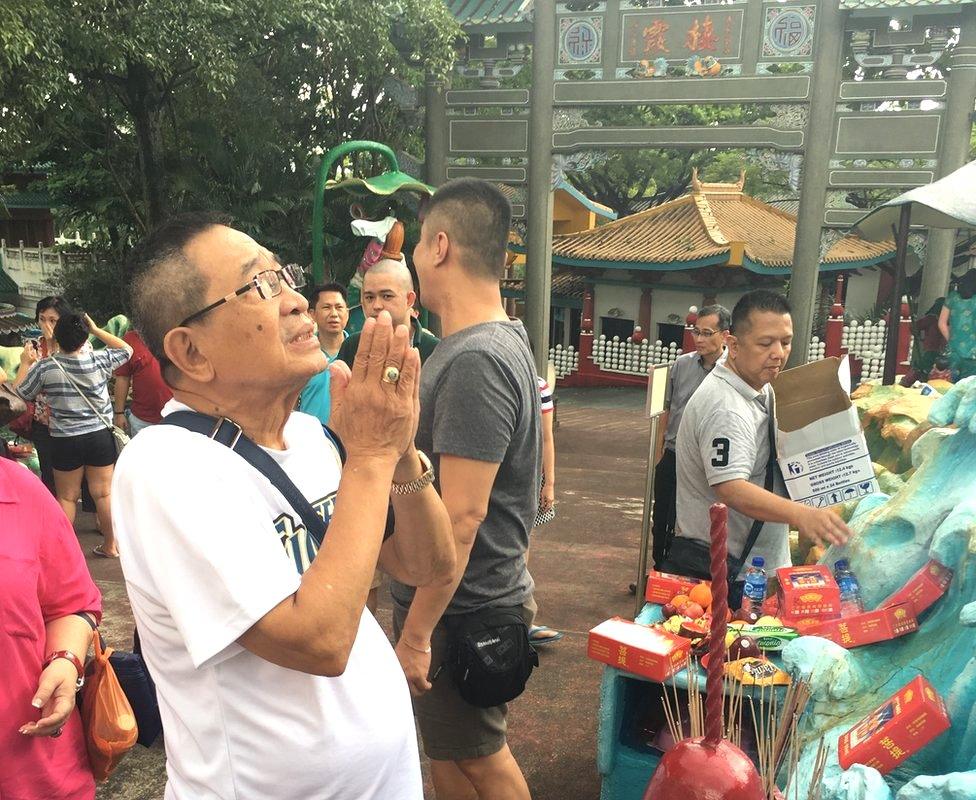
[[490, 657]]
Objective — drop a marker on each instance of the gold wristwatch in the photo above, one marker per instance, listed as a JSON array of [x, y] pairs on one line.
[[417, 484]]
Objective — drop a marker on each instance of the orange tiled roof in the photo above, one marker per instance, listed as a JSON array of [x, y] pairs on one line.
[[714, 220]]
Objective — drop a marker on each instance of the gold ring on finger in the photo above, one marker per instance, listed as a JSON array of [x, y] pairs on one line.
[[391, 375]]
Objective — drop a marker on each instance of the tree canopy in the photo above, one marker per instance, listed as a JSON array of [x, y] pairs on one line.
[[140, 108]]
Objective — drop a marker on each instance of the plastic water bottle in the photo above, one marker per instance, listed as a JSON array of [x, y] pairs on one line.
[[754, 592], [850, 589]]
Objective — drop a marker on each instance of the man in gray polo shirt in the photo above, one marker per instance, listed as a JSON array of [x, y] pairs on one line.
[[686, 374], [723, 449]]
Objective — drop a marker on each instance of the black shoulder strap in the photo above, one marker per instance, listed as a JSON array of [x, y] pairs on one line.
[[736, 567], [230, 435]]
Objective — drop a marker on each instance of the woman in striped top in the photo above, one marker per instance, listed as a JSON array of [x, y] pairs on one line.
[[82, 445], [541, 634]]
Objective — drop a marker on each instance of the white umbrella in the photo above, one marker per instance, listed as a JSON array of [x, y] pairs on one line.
[[948, 203]]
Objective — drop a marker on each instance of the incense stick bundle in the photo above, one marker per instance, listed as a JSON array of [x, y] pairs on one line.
[[819, 765]]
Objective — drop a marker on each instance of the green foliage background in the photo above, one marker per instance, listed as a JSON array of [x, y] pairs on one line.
[[141, 108]]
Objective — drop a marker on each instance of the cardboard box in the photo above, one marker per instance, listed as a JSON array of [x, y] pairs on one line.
[[651, 652], [820, 446], [869, 627], [923, 588], [808, 591], [900, 727], [663, 586]]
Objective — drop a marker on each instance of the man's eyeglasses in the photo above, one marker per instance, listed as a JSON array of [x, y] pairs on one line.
[[700, 333], [267, 283]]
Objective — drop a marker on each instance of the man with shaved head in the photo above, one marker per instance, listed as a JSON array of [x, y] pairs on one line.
[[248, 542], [480, 420], [388, 286]]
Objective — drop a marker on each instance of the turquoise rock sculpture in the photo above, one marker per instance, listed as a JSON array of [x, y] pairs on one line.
[[933, 516]]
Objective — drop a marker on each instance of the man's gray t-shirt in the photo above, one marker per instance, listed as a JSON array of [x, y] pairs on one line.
[[724, 436], [479, 399], [684, 378]]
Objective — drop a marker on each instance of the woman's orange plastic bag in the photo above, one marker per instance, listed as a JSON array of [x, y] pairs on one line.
[[110, 725]]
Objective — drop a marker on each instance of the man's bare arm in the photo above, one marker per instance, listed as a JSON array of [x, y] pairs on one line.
[[421, 550], [466, 489], [314, 629], [818, 525]]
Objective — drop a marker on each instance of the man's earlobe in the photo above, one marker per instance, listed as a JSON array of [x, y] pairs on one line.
[[186, 357]]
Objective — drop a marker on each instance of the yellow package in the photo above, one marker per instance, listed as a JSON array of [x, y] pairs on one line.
[[756, 672]]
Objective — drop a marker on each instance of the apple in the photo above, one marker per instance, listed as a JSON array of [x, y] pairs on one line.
[[745, 615], [744, 647], [693, 611]]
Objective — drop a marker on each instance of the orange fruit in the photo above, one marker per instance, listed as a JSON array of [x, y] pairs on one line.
[[701, 594], [680, 600]]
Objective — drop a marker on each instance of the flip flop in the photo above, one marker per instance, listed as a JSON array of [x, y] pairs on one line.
[[536, 639], [98, 551]]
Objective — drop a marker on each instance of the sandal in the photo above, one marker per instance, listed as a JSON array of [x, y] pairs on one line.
[[540, 634], [98, 551]]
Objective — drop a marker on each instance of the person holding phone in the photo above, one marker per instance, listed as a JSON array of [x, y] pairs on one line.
[[47, 313], [82, 445]]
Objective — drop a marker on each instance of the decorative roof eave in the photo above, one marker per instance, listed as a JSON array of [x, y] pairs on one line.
[[719, 259], [645, 266], [510, 13], [591, 205]]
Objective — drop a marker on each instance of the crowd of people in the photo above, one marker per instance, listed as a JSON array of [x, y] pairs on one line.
[[253, 539]]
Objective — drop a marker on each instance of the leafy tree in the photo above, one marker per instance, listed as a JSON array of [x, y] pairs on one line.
[[663, 174], [139, 108]]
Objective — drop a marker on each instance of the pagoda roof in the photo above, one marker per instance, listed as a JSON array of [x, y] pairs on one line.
[[714, 224], [490, 12], [564, 284]]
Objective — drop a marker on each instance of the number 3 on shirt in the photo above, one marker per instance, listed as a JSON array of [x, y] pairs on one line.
[[721, 457]]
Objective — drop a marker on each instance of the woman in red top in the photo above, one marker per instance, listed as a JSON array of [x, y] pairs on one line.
[[44, 588]]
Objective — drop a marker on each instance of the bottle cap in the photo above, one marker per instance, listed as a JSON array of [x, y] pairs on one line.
[[840, 563], [758, 561]]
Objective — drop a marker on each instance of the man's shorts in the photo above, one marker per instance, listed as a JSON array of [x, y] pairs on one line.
[[377, 580], [451, 728], [96, 449]]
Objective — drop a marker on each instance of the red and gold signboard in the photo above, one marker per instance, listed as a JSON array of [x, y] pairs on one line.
[[678, 34]]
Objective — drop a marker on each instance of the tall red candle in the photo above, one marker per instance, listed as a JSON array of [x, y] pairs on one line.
[[714, 682]]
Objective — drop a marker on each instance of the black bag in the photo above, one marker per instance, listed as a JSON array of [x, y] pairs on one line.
[[140, 690], [490, 657]]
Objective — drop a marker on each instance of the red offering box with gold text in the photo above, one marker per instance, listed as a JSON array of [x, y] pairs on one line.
[[923, 588], [895, 730], [640, 649], [663, 586], [869, 627], [808, 591], [805, 624]]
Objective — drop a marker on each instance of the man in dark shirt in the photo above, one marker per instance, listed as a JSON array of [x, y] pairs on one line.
[[388, 286], [686, 375]]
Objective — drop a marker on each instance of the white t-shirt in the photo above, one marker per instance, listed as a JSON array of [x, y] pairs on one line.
[[208, 548]]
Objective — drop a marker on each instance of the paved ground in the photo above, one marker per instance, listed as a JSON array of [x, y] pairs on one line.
[[582, 563]]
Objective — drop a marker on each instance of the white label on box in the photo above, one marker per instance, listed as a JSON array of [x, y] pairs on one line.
[[832, 474]]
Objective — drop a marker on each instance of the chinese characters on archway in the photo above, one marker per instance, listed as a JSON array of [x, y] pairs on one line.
[[680, 35]]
